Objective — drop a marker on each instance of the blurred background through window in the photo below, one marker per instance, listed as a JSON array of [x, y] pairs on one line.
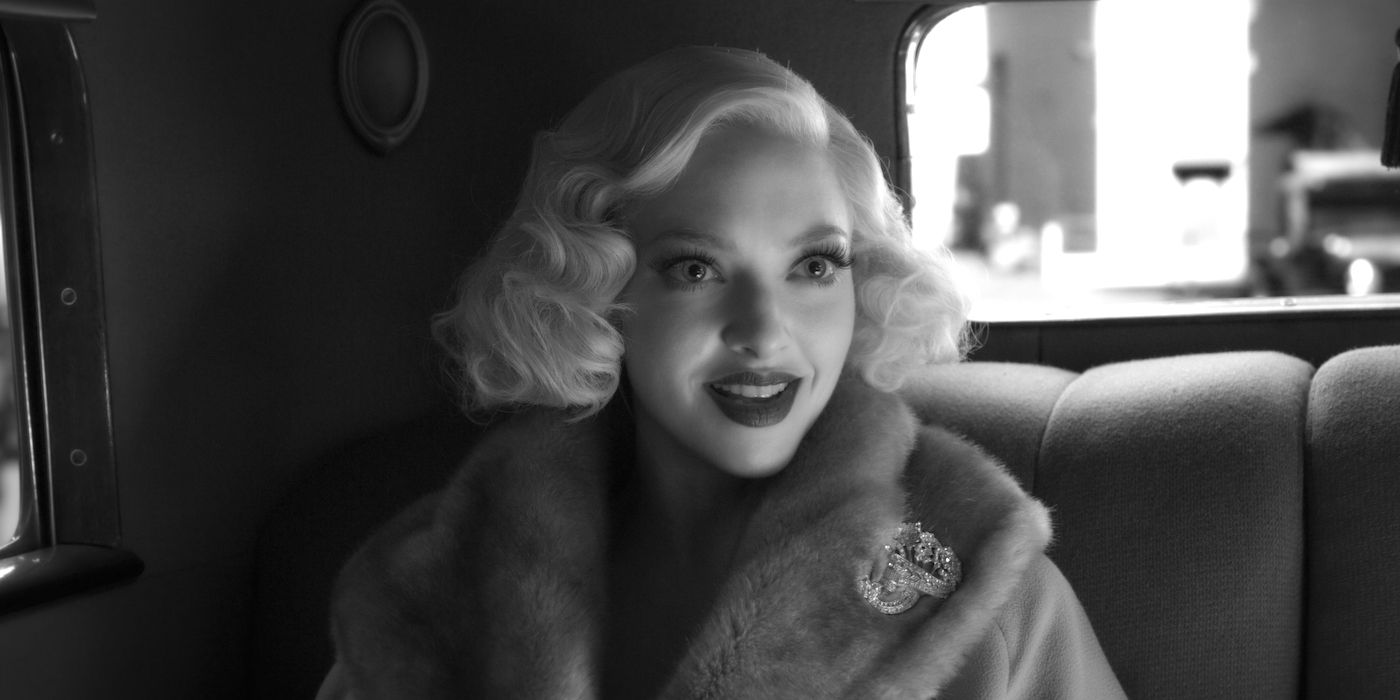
[[1074, 153]]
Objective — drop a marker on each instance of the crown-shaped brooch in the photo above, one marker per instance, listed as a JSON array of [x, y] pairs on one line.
[[918, 565]]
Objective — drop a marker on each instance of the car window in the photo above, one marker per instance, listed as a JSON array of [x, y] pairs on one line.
[[1076, 154]]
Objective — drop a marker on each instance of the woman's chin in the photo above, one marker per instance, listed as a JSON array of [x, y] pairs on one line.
[[754, 461]]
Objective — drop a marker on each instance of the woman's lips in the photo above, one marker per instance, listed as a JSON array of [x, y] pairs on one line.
[[754, 400]]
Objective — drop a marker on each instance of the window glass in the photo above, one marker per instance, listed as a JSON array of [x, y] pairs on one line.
[[15, 491], [1075, 153]]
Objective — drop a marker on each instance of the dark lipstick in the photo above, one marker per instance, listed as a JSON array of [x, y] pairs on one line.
[[754, 400]]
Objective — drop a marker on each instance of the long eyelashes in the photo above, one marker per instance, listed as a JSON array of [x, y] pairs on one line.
[[838, 255], [692, 269], [824, 265], [688, 269]]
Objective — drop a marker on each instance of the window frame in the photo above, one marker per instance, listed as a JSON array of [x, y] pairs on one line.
[[71, 530], [1078, 337]]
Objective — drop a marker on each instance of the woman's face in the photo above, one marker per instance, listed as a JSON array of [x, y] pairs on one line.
[[743, 299]]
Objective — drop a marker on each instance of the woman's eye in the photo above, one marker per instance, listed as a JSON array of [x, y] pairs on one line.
[[818, 267], [691, 271]]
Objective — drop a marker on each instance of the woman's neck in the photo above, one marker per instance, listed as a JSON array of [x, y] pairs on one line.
[[678, 525], [693, 509]]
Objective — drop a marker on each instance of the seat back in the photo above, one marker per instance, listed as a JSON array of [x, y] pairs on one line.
[[1176, 488], [315, 528], [1353, 526]]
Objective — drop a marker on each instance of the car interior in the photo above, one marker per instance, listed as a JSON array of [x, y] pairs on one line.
[[225, 228]]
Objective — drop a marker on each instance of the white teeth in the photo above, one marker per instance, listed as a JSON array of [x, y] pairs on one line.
[[750, 391]]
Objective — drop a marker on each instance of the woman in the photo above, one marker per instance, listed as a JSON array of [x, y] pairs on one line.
[[707, 321]]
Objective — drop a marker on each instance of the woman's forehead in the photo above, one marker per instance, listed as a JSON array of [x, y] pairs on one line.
[[727, 242], [741, 178]]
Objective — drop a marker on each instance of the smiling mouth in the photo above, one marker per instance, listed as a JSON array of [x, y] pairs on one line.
[[753, 400]]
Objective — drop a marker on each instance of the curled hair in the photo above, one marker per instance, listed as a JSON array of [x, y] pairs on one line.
[[534, 319]]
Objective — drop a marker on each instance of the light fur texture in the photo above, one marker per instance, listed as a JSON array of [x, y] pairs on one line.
[[495, 587]]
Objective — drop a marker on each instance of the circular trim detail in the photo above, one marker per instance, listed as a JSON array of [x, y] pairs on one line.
[[358, 91]]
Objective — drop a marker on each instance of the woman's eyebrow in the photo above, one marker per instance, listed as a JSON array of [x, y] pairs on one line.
[[817, 233], [711, 241], [702, 239]]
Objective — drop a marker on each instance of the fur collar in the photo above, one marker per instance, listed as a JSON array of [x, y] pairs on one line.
[[496, 587]]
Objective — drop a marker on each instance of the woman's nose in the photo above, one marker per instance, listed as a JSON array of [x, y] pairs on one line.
[[756, 325]]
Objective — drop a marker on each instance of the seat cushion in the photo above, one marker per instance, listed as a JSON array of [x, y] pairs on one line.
[[1176, 490], [1353, 533], [1176, 485], [1002, 406]]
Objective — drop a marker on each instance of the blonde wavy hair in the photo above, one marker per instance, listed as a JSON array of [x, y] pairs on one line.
[[534, 319]]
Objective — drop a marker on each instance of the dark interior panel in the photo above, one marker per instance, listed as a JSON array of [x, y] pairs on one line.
[[1078, 345], [269, 278]]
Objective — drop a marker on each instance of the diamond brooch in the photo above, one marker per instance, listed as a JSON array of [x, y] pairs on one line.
[[918, 565]]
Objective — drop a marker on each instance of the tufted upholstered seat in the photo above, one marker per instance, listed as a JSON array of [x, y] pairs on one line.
[[1231, 521]]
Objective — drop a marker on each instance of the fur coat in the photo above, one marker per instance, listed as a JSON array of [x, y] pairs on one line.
[[495, 586]]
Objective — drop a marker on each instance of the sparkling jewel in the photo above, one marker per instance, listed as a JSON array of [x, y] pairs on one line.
[[918, 565]]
